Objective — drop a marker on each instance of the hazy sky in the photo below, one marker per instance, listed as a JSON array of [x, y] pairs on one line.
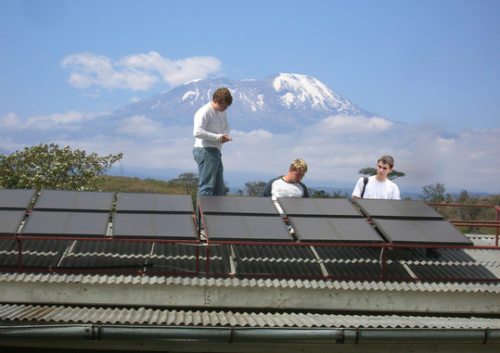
[[430, 63]]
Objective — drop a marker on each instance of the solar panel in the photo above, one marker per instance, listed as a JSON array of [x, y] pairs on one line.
[[246, 228], [66, 223], [15, 199], [60, 200], [10, 221], [409, 209], [237, 205], [154, 203], [165, 226], [314, 229], [420, 232], [293, 206]]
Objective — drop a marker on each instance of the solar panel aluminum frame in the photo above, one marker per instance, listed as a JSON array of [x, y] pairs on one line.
[[127, 226], [154, 203], [74, 201], [10, 220], [397, 209], [318, 207], [227, 228], [16, 199], [420, 232], [63, 224], [246, 205], [315, 230]]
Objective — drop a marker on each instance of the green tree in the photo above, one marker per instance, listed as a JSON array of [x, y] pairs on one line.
[[372, 171], [51, 167], [434, 193], [255, 188], [188, 182], [319, 194], [338, 194]]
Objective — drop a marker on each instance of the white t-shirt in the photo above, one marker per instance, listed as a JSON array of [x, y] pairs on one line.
[[377, 189], [281, 188], [209, 126]]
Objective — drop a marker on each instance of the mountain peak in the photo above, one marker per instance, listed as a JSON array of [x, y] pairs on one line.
[[297, 90], [278, 101]]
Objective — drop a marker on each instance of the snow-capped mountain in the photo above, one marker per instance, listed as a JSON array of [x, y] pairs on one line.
[[277, 102]]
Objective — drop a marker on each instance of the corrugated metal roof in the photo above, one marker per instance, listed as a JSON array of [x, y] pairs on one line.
[[50, 314], [251, 282]]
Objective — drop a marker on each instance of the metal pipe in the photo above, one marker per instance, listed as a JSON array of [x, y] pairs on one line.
[[477, 336], [50, 332], [250, 335], [149, 333]]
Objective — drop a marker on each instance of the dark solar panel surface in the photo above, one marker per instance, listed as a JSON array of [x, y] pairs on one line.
[[237, 205], [15, 199], [154, 203], [246, 228], [143, 225], [420, 232], [293, 206], [315, 229], [10, 221], [66, 224], [59, 200], [407, 209]]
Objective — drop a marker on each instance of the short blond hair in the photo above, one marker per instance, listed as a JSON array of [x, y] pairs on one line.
[[299, 164]]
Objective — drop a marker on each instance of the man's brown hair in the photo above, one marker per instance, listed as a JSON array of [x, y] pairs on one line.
[[387, 160], [222, 95]]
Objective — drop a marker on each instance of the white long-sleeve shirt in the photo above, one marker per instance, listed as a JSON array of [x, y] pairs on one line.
[[209, 127]]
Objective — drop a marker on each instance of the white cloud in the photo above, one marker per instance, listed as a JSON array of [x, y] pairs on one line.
[[353, 124], [10, 121], [136, 72], [464, 161], [140, 126], [68, 121]]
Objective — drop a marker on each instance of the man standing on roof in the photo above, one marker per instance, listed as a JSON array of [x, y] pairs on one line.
[[211, 131], [289, 185], [378, 186]]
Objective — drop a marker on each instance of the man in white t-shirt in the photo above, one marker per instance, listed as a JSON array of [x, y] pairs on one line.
[[378, 186], [289, 185]]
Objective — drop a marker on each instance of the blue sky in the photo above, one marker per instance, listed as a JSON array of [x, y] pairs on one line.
[[424, 62]]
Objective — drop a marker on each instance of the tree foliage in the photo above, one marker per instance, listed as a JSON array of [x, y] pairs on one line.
[[434, 193], [47, 166], [373, 171], [255, 188], [187, 181]]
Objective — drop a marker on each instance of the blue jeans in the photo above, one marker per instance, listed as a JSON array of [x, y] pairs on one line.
[[210, 170]]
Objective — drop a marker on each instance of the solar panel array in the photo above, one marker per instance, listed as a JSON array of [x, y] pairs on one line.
[[411, 222], [142, 232], [156, 233]]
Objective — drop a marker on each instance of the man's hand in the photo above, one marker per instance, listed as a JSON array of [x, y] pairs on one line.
[[226, 138]]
